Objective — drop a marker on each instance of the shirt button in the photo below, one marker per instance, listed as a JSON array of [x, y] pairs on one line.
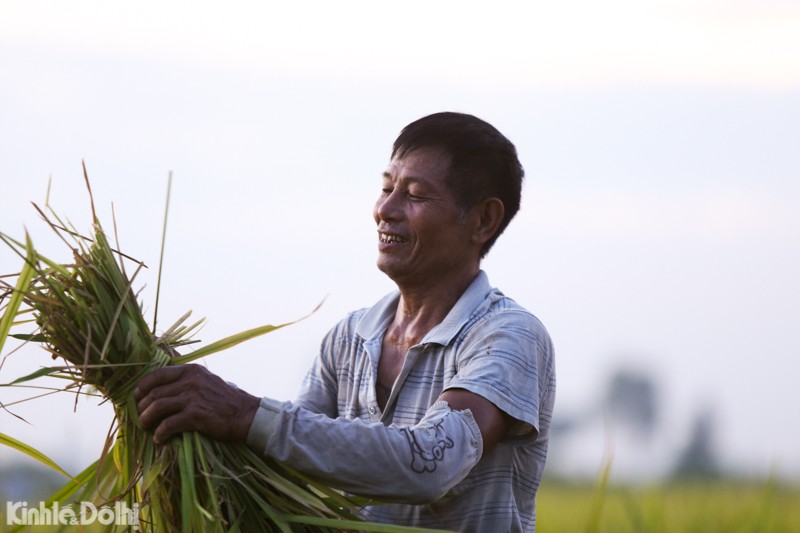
[[372, 410]]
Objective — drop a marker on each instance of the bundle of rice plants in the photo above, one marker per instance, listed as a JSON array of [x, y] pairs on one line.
[[88, 318]]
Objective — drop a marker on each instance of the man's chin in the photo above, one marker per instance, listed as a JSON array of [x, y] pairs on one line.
[[387, 267]]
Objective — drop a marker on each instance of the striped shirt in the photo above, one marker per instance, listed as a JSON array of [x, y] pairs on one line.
[[417, 453]]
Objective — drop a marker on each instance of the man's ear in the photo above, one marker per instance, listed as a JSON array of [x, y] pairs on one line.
[[490, 215]]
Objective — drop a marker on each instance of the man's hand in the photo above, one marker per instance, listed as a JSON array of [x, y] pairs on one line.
[[181, 398]]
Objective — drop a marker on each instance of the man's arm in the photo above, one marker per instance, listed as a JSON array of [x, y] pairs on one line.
[[493, 423], [415, 464], [190, 398]]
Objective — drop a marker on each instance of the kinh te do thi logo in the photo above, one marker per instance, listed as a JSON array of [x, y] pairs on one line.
[[82, 513]]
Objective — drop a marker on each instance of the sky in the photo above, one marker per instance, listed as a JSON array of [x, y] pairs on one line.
[[658, 231]]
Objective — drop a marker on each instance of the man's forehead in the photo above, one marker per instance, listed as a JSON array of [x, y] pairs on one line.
[[419, 164]]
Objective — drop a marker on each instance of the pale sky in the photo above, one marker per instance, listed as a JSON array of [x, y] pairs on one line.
[[659, 225]]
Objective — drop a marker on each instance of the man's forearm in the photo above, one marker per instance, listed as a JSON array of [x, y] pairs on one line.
[[413, 464]]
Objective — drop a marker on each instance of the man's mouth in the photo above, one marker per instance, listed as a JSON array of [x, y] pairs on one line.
[[389, 238]]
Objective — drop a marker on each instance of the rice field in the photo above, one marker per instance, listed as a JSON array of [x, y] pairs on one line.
[[709, 507], [727, 506]]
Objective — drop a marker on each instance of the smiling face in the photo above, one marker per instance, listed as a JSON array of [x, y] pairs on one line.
[[424, 237]]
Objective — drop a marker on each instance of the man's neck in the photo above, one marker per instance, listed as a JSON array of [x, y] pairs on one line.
[[421, 308]]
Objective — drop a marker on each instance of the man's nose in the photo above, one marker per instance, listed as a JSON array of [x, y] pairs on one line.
[[389, 206]]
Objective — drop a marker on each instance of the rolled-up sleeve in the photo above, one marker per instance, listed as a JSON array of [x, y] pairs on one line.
[[507, 360]]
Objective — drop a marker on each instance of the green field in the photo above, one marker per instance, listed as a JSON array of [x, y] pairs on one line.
[[700, 507], [688, 507]]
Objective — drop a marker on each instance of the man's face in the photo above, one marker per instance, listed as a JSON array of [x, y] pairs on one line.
[[422, 234]]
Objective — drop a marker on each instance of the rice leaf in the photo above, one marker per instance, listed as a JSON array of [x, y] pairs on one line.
[[32, 452], [28, 337], [46, 371], [227, 342], [21, 288], [233, 340], [188, 495]]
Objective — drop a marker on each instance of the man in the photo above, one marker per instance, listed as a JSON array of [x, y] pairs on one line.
[[438, 398]]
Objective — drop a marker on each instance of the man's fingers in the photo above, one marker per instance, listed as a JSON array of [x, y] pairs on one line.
[[170, 426], [190, 398], [158, 410], [158, 378]]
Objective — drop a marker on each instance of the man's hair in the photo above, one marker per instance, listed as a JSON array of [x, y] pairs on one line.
[[483, 162]]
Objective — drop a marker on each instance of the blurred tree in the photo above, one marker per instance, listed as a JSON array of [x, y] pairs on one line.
[[631, 398], [698, 459]]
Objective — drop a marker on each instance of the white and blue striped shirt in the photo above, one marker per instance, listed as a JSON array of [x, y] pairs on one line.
[[417, 452]]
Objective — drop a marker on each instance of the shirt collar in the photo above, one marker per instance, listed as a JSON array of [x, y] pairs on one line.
[[376, 319]]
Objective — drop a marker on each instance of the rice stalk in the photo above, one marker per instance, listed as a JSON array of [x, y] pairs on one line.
[[88, 319]]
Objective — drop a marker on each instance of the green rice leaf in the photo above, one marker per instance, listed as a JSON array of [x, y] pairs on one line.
[[32, 452], [186, 467], [235, 339], [27, 337], [21, 288], [45, 371], [290, 489], [224, 344]]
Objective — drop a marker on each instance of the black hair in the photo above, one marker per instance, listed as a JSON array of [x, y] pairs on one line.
[[483, 162]]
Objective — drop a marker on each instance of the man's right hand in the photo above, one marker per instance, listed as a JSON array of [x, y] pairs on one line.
[[188, 397]]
